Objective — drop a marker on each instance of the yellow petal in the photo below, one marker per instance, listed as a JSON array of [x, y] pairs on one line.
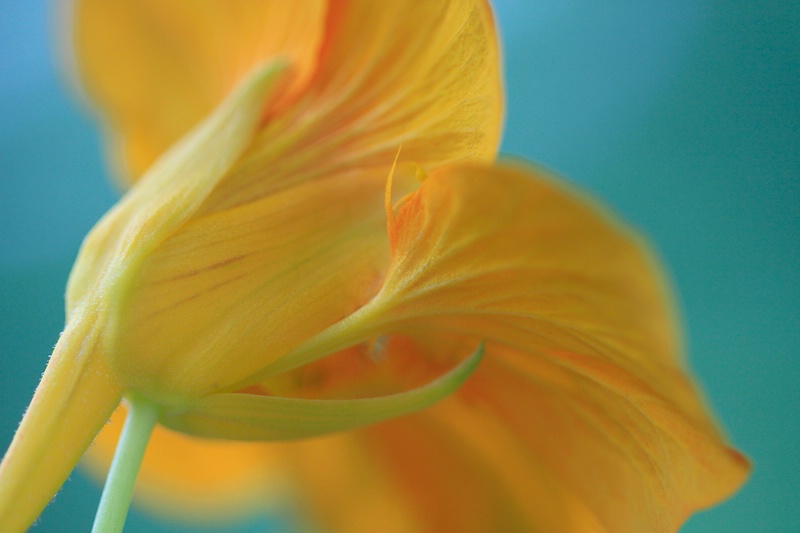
[[248, 285], [368, 78], [582, 415], [76, 396], [117, 251], [155, 69], [424, 75], [584, 364], [174, 189]]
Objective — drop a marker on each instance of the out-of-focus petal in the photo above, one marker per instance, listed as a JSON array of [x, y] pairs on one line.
[[347, 487], [76, 396], [332, 480], [155, 69], [532, 454], [199, 479], [582, 416]]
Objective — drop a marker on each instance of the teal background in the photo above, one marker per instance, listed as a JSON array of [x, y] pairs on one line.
[[683, 115]]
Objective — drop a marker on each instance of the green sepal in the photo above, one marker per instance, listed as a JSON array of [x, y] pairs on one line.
[[253, 417]]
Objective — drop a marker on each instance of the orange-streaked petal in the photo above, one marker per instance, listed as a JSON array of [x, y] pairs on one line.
[[199, 479], [539, 266], [175, 187], [582, 412], [568, 424], [584, 367], [152, 236], [422, 75], [76, 396], [155, 69], [529, 454], [248, 284], [428, 72]]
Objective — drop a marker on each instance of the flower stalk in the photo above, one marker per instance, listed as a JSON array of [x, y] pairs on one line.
[[118, 490]]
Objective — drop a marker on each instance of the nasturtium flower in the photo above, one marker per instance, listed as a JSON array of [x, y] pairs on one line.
[[317, 247]]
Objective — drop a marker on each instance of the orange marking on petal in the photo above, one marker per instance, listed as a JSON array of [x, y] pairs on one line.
[[391, 221]]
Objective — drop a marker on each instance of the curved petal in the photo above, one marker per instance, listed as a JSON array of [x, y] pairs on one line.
[[199, 479], [77, 394], [529, 454], [582, 410], [580, 418], [155, 69], [423, 74]]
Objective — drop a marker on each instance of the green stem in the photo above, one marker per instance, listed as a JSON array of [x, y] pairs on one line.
[[118, 490]]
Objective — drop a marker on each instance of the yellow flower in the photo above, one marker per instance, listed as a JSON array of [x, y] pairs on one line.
[[261, 281]]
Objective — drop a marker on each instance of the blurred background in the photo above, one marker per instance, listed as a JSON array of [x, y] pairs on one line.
[[683, 115]]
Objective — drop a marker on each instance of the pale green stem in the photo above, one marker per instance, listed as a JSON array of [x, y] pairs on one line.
[[118, 490]]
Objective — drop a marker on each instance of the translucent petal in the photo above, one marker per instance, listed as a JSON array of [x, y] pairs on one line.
[[159, 211], [584, 390]]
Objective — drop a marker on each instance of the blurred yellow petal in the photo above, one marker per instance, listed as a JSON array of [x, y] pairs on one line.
[[347, 488], [335, 479], [76, 396], [155, 69]]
